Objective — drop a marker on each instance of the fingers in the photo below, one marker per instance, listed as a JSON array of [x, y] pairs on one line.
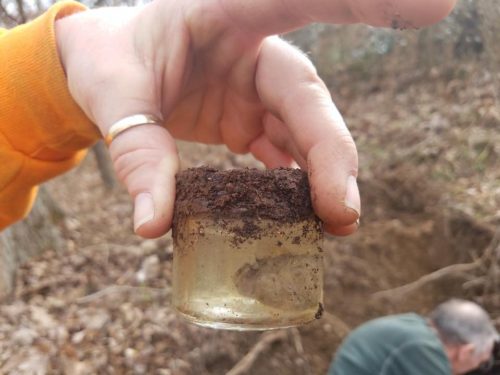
[[118, 77], [332, 175], [289, 86], [275, 147], [145, 159], [400, 14], [341, 231], [270, 17], [272, 157]]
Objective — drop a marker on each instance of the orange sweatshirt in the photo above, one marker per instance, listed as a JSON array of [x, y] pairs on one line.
[[43, 132]]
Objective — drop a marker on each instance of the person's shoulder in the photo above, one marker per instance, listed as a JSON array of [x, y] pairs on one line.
[[399, 321], [408, 319], [420, 350], [418, 356], [397, 329]]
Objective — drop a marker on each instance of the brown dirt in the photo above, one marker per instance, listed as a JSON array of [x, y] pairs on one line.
[[280, 194], [429, 183]]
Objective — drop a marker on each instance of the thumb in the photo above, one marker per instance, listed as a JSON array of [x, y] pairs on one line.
[[114, 78], [146, 161]]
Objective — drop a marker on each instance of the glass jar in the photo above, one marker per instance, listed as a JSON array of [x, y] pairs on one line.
[[247, 249]]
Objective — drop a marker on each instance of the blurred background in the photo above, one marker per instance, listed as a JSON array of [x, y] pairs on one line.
[[81, 294]]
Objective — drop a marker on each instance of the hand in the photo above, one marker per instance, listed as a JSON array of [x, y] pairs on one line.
[[210, 70]]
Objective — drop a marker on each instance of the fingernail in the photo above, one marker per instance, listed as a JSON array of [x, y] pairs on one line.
[[352, 195], [144, 209]]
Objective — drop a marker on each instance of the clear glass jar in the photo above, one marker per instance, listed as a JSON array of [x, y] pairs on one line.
[[247, 249]]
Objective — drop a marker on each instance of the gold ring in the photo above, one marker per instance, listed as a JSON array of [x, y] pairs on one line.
[[129, 122]]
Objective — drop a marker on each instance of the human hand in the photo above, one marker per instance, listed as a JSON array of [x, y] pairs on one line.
[[211, 71]]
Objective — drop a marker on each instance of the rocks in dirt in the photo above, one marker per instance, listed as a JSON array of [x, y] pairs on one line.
[[58, 335], [78, 337], [96, 320], [24, 336], [168, 347], [130, 355], [13, 312], [42, 318], [149, 246], [150, 269], [179, 366], [72, 224], [31, 361], [75, 367]]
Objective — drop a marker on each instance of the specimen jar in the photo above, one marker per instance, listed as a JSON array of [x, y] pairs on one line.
[[247, 249]]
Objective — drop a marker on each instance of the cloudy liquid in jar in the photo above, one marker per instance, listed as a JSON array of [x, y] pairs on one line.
[[270, 277]]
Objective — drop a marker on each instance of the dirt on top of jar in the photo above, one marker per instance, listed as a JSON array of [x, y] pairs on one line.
[[280, 194]]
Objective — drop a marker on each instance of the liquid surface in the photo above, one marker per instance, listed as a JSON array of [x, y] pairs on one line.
[[271, 280]]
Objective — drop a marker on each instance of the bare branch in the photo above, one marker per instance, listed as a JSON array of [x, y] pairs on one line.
[[339, 326], [8, 15], [297, 340], [51, 283], [489, 260], [265, 341], [433, 276], [20, 9], [104, 165], [116, 289], [99, 3], [299, 347]]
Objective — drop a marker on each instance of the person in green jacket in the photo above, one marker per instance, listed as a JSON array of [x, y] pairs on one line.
[[457, 336]]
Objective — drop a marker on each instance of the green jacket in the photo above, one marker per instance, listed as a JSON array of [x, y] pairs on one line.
[[394, 345]]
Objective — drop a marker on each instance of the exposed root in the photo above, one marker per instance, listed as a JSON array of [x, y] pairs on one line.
[[488, 264], [265, 341]]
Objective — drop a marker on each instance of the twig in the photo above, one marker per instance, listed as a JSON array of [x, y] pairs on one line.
[[265, 341], [20, 9], [104, 165], [492, 253], [109, 247], [490, 256], [433, 276], [475, 282], [3, 363], [297, 341], [116, 289], [8, 15], [99, 3], [493, 247], [56, 281], [339, 325]]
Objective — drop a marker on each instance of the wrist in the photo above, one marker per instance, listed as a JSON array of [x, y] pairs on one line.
[[42, 98]]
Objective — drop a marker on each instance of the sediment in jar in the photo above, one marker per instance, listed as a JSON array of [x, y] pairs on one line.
[[276, 277], [281, 195], [247, 248]]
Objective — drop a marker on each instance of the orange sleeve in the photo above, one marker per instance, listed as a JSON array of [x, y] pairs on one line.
[[43, 132]]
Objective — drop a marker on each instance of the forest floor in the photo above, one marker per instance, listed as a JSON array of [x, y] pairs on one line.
[[429, 178]]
